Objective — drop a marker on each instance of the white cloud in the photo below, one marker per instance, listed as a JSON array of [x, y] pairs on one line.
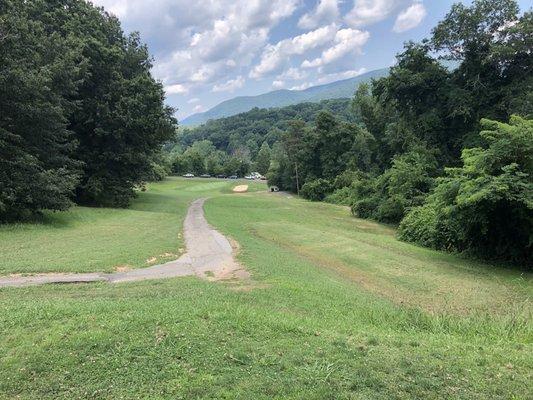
[[204, 74], [199, 42], [175, 89], [410, 18], [347, 41], [274, 56], [294, 74], [303, 86], [193, 100], [198, 108], [325, 12], [230, 85], [367, 12], [278, 84]]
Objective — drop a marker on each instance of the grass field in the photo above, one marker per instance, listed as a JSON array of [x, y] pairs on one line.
[[337, 309], [103, 239]]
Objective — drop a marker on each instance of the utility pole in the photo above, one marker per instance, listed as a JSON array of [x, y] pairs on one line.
[[297, 183]]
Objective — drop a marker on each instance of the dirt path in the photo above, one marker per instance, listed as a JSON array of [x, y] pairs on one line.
[[209, 255]]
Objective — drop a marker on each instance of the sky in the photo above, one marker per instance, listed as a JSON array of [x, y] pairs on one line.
[[208, 51]]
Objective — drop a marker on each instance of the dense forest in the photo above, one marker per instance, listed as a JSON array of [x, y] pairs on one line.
[[446, 153], [259, 124], [240, 143], [81, 118]]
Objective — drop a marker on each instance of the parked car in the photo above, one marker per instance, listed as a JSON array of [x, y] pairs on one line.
[[221, 176], [188, 176], [205, 176], [233, 177], [249, 177]]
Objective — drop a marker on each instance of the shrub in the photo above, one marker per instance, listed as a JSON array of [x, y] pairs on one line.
[[486, 206], [365, 208], [390, 210], [343, 196], [420, 226], [316, 190]]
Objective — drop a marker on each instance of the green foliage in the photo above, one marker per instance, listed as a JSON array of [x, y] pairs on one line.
[[486, 206], [81, 114], [316, 190], [387, 197], [121, 120], [202, 157], [262, 160], [258, 125], [281, 171], [325, 150], [38, 73]]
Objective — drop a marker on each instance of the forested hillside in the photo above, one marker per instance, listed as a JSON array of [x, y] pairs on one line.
[[445, 153], [81, 118], [260, 124], [238, 144]]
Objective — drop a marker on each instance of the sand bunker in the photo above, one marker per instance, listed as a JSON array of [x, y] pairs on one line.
[[240, 189]]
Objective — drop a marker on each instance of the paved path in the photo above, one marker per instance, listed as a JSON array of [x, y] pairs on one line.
[[209, 255]]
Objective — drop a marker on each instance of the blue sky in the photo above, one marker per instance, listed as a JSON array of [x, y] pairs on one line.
[[208, 51]]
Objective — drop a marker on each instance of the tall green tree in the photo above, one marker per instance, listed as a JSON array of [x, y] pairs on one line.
[[493, 44], [38, 72], [121, 119]]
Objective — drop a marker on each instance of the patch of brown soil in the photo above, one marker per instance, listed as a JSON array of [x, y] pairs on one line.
[[240, 189], [123, 268]]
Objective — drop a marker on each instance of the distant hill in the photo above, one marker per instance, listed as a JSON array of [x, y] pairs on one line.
[[251, 128], [280, 98]]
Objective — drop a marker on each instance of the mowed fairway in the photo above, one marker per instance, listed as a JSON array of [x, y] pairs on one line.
[[337, 308], [104, 239]]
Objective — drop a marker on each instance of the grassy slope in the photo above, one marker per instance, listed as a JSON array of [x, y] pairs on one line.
[[102, 239], [338, 309]]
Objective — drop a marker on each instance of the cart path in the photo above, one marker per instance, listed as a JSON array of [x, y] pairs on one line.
[[209, 255]]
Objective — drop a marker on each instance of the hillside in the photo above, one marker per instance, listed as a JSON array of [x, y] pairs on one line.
[[260, 124], [279, 98]]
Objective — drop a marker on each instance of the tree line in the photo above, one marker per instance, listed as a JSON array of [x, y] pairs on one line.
[[445, 152], [242, 143], [81, 118]]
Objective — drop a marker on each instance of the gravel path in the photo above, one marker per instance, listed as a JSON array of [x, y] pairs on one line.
[[209, 255]]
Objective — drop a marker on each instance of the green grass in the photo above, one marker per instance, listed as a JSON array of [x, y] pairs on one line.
[[337, 309], [87, 239]]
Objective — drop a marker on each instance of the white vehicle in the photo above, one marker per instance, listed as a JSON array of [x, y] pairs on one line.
[[188, 176]]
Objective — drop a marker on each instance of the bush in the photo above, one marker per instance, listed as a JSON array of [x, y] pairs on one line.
[[390, 210], [347, 178], [365, 208], [486, 206], [316, 190], [343, 196], [420, 226]]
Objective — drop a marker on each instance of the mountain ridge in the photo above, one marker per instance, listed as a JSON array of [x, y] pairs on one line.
[[284, 97]]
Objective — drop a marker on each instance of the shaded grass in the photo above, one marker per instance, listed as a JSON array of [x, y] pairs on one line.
[[307, 330]]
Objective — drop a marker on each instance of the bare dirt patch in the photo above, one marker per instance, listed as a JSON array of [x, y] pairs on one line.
[[240, 189]]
